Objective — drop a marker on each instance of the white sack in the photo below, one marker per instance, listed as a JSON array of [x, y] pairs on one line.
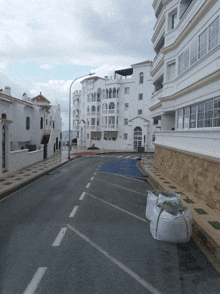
[[151, 203], [171, 197], [165, 226]]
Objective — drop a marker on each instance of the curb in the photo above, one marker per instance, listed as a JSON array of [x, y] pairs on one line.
[[199, 235], [19, 186]]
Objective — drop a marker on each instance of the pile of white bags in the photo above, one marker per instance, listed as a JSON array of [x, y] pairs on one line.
[[170, 220]]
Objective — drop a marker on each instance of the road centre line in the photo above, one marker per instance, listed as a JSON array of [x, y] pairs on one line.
[[115, 261], [82, 196], [59, 237], [121, 187], [119, 156], [32, 286], [92, 178], [73, 211], [88, 185], [121, 209]]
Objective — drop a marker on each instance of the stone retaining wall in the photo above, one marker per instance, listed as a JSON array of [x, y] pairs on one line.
[[200, 175]]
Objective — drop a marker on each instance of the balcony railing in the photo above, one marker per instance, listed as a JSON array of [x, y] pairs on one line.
[[111, 111]]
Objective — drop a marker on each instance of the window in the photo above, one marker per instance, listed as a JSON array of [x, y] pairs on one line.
[[126, 121], [111, 120], [112, 105], [171, 67], [173, 20], [96, 135], [139, 111], [186, 116], [180, 119], [158, 84], [194, 52], [53, 125], [41, 122], [213, 34], [27, 123], [4, 115], [141, 78], [98, 120], [140, 96], [126, 90], [183, 61], [46, 122], [125, 136], [126, 105], [209, 114], [87, 135], [110, 135], [87, 121], [155, 121], [88, 109], [193, 110], [93, 121], [202, 44], [216, 121]]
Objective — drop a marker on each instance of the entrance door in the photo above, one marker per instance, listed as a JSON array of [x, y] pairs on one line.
[[137, 137], [3, 147]]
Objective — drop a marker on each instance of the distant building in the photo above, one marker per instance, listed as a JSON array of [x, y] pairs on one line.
[[112, 113], [186, 98], [27, 125]]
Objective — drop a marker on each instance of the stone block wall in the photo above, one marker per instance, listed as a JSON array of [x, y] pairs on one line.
[[197, 174]]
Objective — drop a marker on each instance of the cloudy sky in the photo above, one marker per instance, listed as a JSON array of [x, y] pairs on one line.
[[45, 44]]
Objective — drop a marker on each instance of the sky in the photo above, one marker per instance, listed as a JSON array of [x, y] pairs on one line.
[[45, 45]]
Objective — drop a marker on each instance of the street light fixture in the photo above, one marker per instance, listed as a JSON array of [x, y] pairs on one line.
[[70, 109]]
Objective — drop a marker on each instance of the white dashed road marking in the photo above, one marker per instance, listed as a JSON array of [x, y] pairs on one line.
[[94, 173], [92, 178], [82, 196], [73, 211], [31, 288], [119, 156], [88, 185], [59, 237], [117, 262]]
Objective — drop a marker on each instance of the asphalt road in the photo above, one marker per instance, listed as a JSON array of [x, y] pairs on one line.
[[82, 229]]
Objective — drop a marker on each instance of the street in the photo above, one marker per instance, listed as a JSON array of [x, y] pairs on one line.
[[82, 229]]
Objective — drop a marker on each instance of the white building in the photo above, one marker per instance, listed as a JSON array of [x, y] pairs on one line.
[[113, 113], [27, 125], [186, 98]]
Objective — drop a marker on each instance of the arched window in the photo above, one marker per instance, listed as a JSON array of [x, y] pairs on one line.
[[93, 108], [114, 93], [104, 106], [110, 93], [99, 92], [137, 137], [112, 105], [141, 78]]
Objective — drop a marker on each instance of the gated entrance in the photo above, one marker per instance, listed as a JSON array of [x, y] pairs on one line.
[[137, 137]]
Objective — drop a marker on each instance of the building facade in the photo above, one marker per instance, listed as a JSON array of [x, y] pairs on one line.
[[26, 126], [112, 113], [186, 97]]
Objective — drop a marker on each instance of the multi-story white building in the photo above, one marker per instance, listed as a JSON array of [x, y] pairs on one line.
[[186, 98], [113, 113], [26, 126]]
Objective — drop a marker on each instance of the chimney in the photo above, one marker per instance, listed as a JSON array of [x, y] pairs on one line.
[[24, 97], [7, 91]]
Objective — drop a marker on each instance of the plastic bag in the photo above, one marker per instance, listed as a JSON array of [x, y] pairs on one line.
[[165, 196], [171, 222], [151, 203]]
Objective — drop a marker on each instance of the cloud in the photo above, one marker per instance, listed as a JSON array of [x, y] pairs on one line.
[[45, 66], [86, 32]]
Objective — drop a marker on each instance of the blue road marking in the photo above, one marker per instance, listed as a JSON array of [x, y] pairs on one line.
[[125, 167]]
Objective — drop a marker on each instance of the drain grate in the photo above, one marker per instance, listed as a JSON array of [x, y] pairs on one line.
[[172, 187], [215, 225], [166, 182], [200, 211], [8, 183]]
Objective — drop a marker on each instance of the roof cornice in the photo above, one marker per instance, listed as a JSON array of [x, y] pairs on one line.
[[213, 77], [156, 106], [199, 15]]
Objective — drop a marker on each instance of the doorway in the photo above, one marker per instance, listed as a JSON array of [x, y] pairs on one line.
[[137, 137]]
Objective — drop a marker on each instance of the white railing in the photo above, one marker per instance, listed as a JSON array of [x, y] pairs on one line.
[[104, 111], [93, 127], [111, 111], [93, 113]]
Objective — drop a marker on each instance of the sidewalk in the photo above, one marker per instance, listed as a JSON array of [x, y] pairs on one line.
[[206, 219]]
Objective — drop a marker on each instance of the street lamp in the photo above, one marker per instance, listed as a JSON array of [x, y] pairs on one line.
[[70, 109]]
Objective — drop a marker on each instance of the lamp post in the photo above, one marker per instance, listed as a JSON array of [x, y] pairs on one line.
[[70, 109]]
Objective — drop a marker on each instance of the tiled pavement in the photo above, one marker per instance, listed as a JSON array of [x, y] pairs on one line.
[[206, 219]]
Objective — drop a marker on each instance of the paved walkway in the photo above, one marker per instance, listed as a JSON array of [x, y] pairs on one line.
[[206, 219]]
